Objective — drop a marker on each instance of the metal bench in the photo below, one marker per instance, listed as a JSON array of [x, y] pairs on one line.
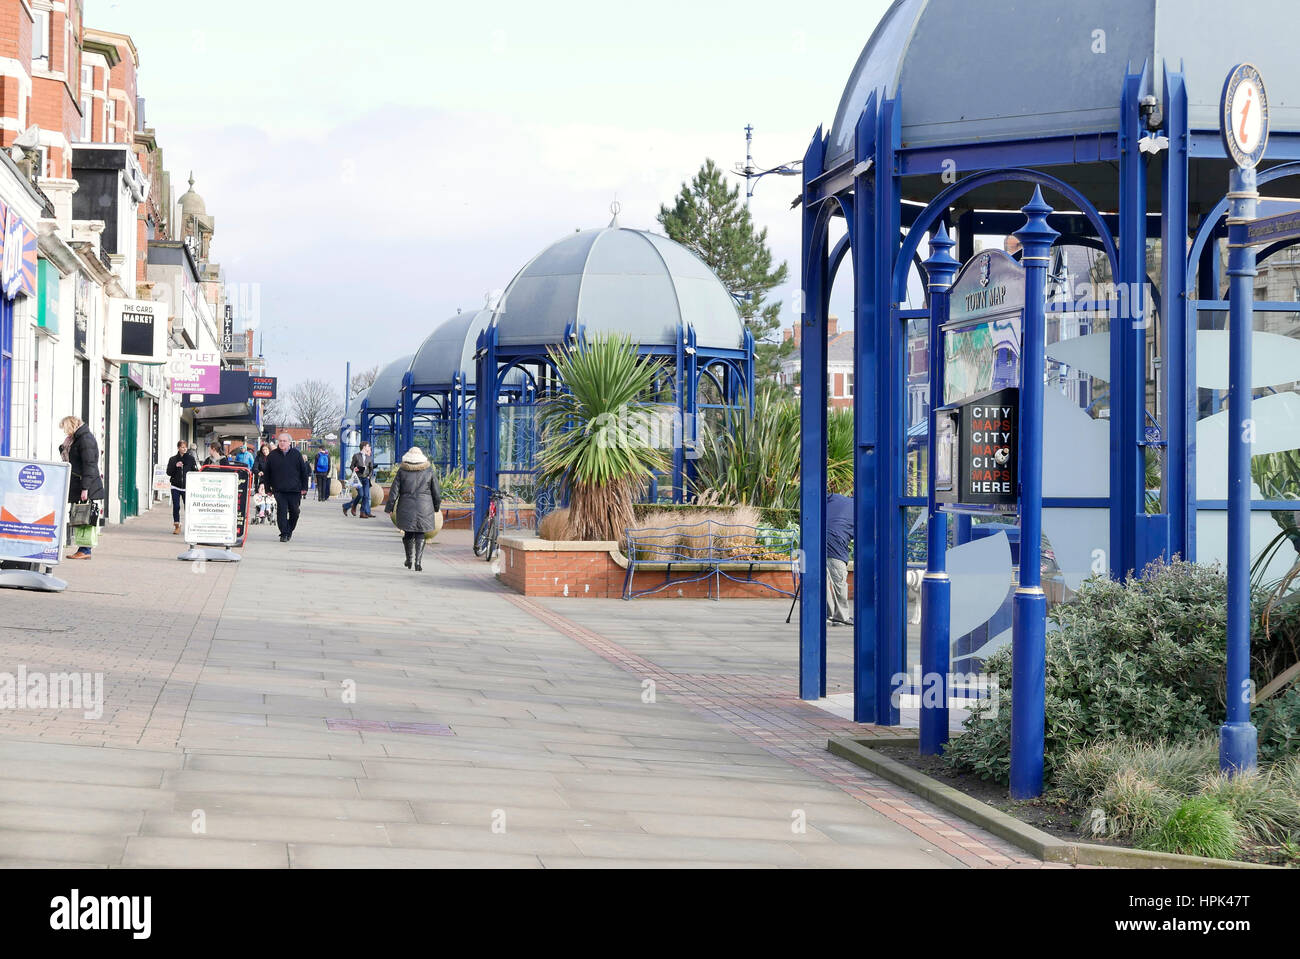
[[693, 552]]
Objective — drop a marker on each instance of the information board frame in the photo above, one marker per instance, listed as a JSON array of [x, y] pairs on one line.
[[17, 499]]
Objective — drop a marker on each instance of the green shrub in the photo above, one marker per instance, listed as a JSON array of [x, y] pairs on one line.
[[1143, 659], [1199, 827], [1278, 722]]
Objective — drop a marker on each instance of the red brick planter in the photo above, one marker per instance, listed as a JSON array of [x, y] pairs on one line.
[[597, 570]]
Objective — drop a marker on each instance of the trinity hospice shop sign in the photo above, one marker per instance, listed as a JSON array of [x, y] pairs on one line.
[[33, 510], [211, 508]]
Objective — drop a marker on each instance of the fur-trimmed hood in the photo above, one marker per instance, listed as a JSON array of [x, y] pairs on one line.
[[415, 467]]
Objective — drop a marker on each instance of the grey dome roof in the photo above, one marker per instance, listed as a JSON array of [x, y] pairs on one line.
[[353, 410], [385, 393], [1029, 70], [618, 280], [449, 350]]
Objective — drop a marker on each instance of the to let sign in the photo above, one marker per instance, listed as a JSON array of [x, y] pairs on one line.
[[195, 371]]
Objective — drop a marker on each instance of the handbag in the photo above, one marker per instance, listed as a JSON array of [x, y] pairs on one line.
[[83, 514]]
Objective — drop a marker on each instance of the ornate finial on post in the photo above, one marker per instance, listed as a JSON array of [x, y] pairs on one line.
[[1036, 232], [942, 266], [615, 208]]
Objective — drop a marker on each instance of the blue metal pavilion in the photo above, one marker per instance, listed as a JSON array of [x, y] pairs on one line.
[[437, 394], [596, 281], [381, 412], [1110, 108]]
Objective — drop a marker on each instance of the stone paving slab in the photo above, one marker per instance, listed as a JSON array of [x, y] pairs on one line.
[[220, 679]]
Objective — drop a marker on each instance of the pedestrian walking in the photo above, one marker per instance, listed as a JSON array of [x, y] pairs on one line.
[[839, 534], [215, 457], [86, 488], [287, 477], [323, 474], [180, 464], [259, 464], [414, 500], [240, 456], [362, 469]]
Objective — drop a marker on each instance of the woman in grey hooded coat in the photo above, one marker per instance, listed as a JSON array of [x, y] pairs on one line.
[[415, 498]]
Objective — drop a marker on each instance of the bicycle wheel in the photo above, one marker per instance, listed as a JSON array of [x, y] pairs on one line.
[[493, 533], [481, 537]]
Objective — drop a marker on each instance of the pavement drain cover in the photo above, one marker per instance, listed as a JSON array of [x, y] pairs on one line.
[[376, 726]]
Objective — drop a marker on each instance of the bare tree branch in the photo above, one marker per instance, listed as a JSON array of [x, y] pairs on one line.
[[316, 405], [362, 381]]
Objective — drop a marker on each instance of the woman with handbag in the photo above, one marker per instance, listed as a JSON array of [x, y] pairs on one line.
[[86, 488]]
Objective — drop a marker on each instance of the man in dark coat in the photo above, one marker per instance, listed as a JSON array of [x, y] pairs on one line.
[[287, 476], [180, 464], [839, 534], [83, 458]]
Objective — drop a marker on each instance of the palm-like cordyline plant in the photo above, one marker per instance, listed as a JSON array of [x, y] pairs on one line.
[[598, 435]]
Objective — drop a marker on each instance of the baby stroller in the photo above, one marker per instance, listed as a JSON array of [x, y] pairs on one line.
[[263, 508]]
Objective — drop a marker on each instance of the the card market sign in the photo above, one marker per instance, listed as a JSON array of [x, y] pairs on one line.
[[137, 331], [33, 510]]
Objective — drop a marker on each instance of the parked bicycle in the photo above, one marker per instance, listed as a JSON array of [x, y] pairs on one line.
[[485, 540]]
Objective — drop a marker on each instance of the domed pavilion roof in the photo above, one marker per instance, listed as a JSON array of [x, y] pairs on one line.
[[385, 393], [618, 280], [1003, 69], [449, 350]]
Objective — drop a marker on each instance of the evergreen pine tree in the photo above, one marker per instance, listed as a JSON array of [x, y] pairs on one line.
[[709, 218]]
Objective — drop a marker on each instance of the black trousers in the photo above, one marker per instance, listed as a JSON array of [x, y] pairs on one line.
[[323, 486], [287, 507]]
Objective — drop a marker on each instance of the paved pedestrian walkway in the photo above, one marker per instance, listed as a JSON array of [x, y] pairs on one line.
[[317, 705]]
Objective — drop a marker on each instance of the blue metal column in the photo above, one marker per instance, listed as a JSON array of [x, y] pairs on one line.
[[690, 413], [406, 403], [1237, 736], [1179, 346], [1029, 624], [682, 388], [812, 421], [890, 586], [936, 588], [485, 425], [1128, 366], [866, 626]]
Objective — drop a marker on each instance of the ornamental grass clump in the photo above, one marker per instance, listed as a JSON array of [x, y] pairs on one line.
[[596, 434], [1130, 805], [1199, 827]]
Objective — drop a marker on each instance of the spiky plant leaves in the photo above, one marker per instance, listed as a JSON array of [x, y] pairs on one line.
[[599, 439]]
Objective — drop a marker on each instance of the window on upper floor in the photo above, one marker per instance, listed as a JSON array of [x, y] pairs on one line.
[[110, 134], [85, 119], [41, 39], [850, 385], [87, 78]]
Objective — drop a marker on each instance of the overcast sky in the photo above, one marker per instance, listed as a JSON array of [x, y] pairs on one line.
[[373, 175]]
